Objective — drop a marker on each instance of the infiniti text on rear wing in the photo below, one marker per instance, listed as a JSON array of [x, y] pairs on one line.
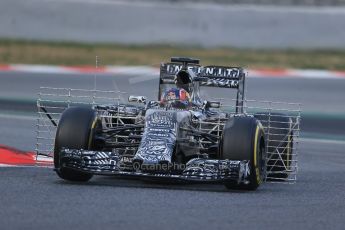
[[213, 76]]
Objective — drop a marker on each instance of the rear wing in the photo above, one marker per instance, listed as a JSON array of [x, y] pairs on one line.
[[211, 76]]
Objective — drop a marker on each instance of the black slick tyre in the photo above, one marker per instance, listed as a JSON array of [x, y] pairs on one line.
[[243, 139], [75, 131]]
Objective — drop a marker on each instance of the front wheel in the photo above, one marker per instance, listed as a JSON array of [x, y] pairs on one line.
[[75, 131], [243, 139]]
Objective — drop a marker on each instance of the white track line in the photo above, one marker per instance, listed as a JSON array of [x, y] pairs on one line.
[[322, 141], [151, 72]]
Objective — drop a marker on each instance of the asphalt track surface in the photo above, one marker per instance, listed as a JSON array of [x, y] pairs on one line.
[[35, 198], [146, 22]]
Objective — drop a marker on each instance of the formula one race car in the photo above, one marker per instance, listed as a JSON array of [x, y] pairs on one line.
[[179, 136]]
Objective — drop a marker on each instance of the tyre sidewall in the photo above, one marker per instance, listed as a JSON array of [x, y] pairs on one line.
[[75, 131], [243, 139]]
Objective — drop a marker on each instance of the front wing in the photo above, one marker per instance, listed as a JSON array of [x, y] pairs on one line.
[[195, 170]]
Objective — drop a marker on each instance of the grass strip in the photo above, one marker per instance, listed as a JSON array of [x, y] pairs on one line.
[[72, 53]]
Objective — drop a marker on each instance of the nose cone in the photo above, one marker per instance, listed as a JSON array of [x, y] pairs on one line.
[[159, 137]]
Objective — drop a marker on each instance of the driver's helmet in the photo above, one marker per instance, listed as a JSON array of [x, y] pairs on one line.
[[183, 80], [178, 98]]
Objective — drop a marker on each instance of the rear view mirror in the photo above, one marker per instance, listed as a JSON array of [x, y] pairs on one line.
[[137, 99], [212, 104]]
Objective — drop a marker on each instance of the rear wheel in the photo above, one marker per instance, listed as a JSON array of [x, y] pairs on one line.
[[75, 131], [280, 143], [243, 139]]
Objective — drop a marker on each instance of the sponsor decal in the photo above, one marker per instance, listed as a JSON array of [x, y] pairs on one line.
[[159, 137], [222, 72], [207, 71], [175, 68]]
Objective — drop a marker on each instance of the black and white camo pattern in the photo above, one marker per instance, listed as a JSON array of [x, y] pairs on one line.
[[221, 82], [85, 159], [159, 137], [197, 169], [122, 109], [208, 169]]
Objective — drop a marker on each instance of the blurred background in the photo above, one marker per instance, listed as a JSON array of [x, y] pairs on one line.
[[206, 23], [249, 33]]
